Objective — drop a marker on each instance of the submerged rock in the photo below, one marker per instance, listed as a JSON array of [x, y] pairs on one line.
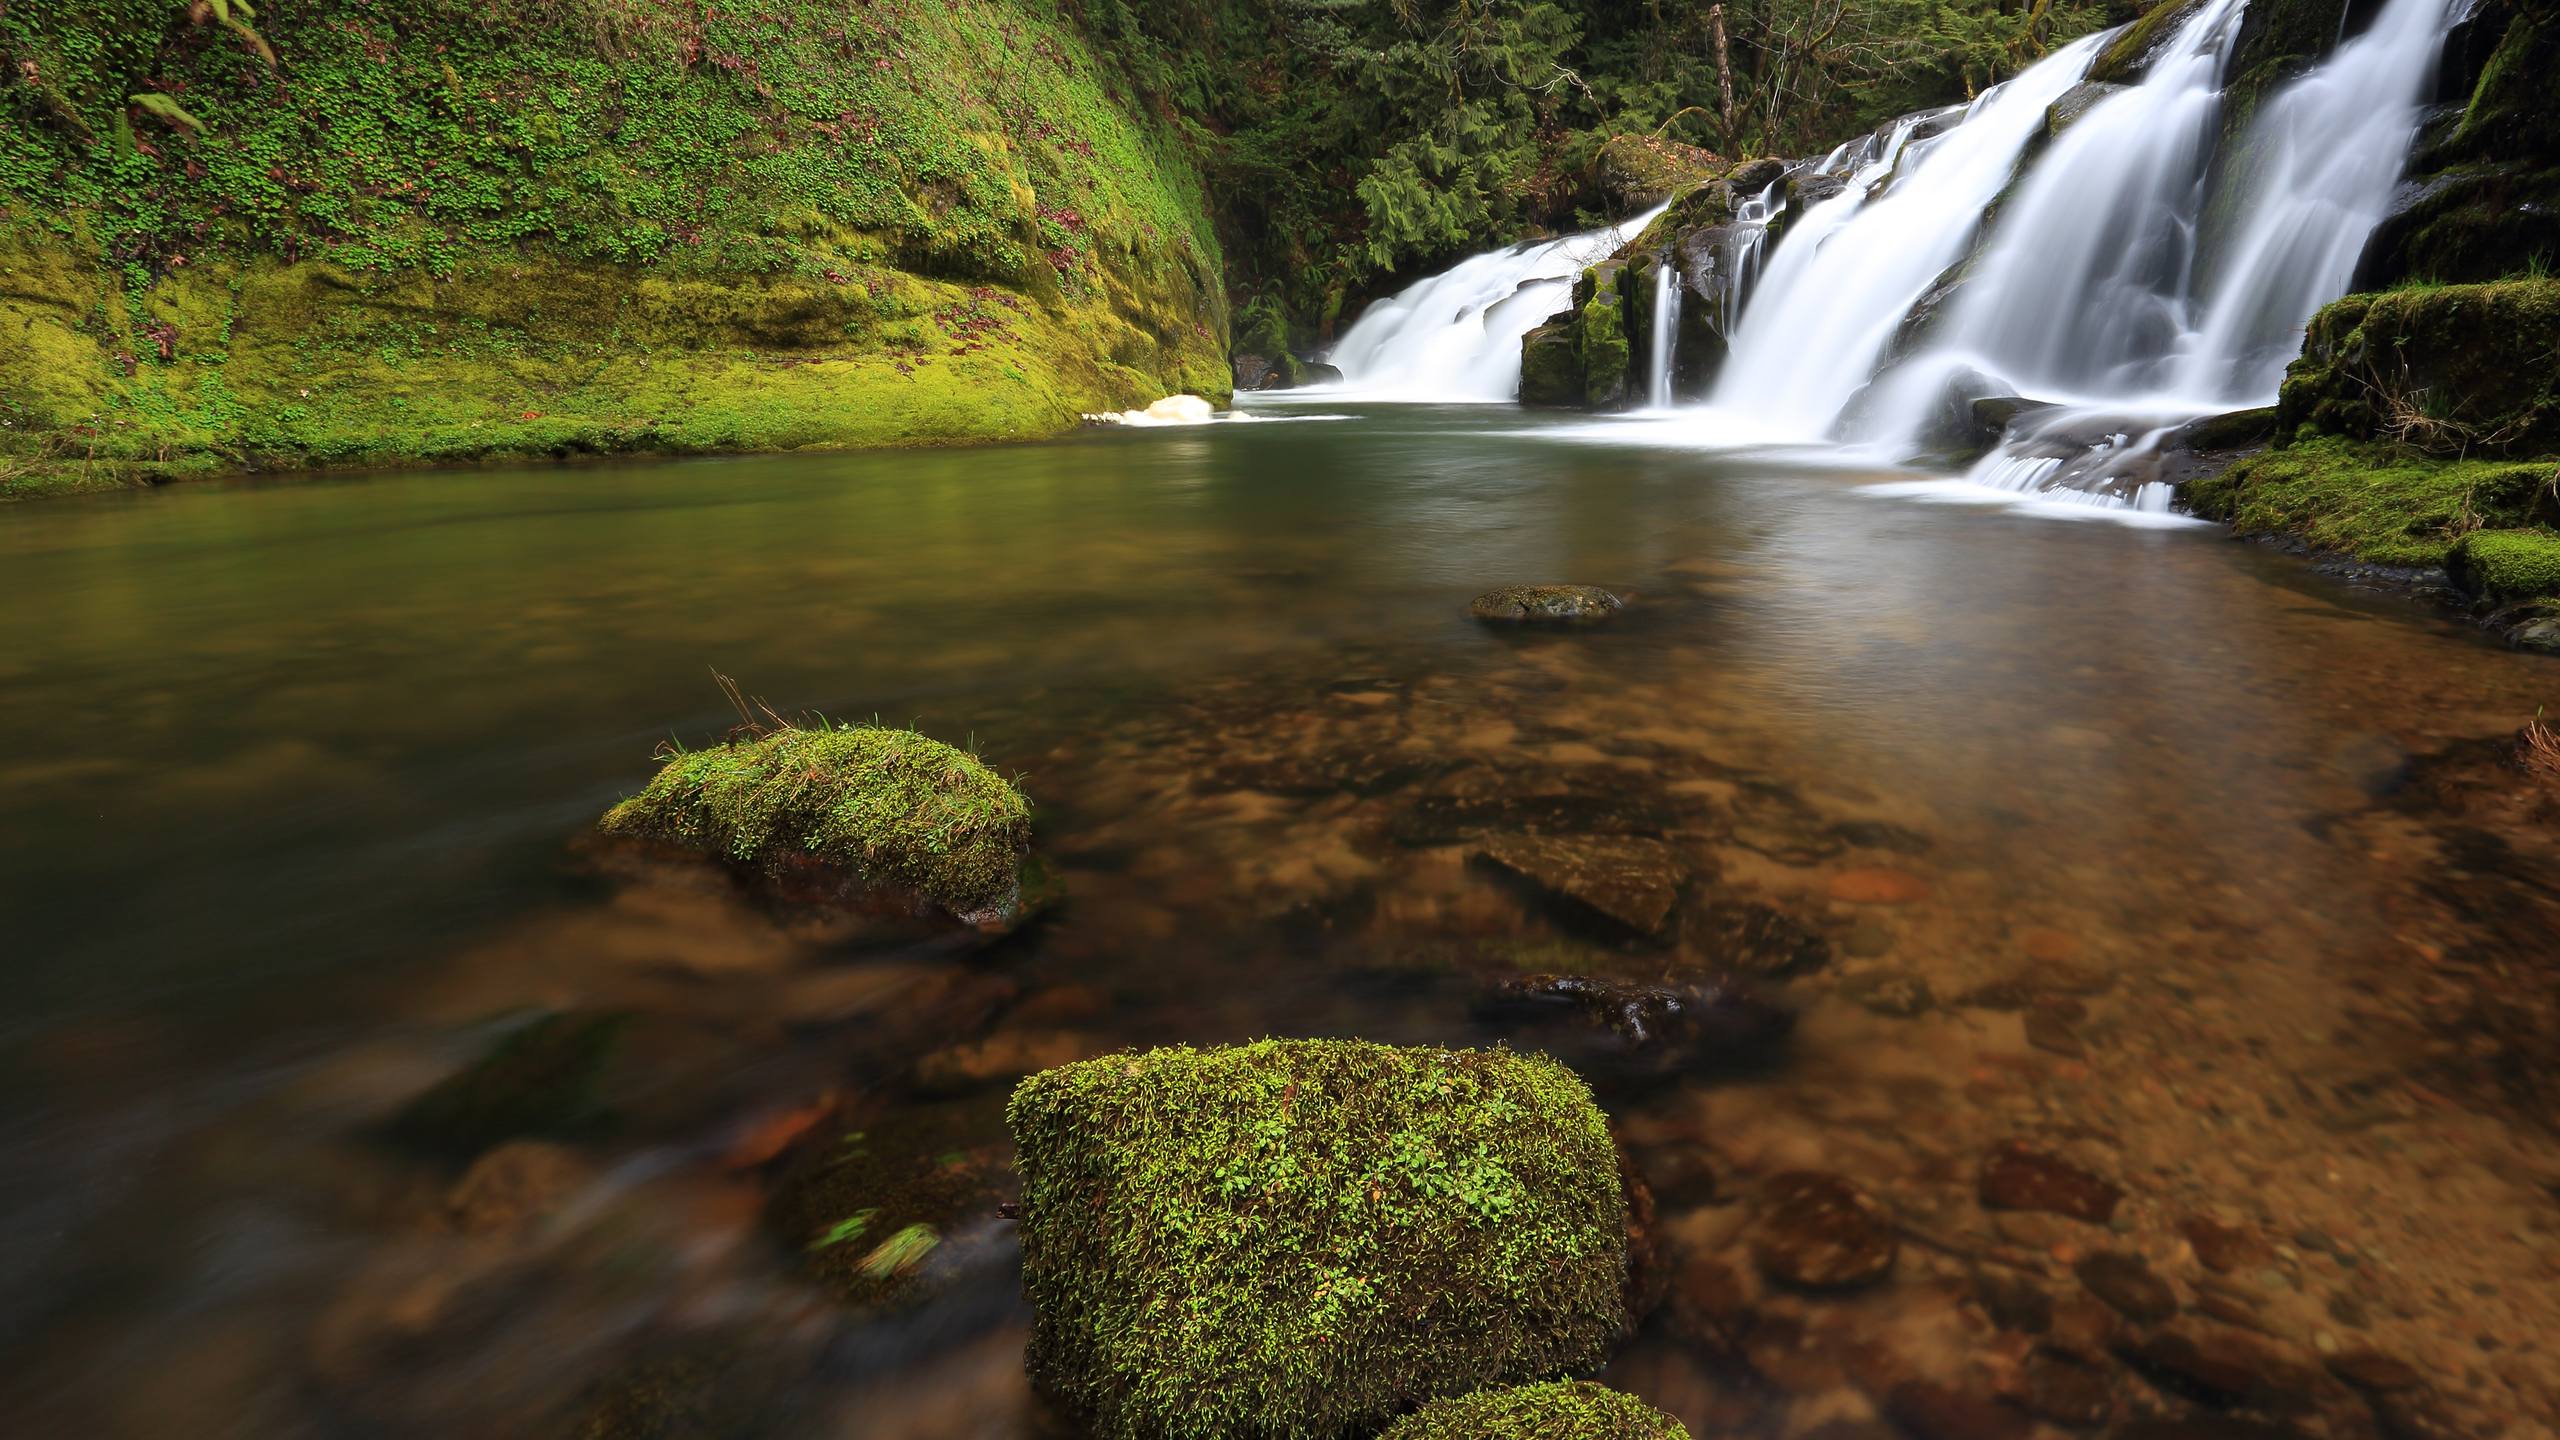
[[2127, 1284], [2016, 1176], [1627, 880], [514, 1186], [1557, 1410], [1555, 604], [890, 1210], [1199, 1225], [861, 814], [542, 1079], [1643, 1031], [1821, 1232]]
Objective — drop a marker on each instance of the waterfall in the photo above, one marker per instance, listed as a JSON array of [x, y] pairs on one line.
[[1740, 248], [1666, 330], [1456, 335], [1847, 271]]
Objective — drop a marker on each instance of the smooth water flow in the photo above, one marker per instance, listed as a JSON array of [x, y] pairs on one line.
[[1847, 272], [1665, 339], [1456, 336]]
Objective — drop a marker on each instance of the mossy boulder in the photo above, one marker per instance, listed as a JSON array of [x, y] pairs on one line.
[[1633, 170], [2505, 565], [2382, 503], [1303, 1238], [2459, 369], [855, 813], [1551, 363], [1558, 1410], [2127, 58], [1600, 301]]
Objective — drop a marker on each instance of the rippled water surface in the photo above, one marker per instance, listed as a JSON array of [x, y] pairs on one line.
[[2147, 849]]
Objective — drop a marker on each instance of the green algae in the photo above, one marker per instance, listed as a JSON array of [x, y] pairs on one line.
[[1304, 1238], [1558, 1410], [890, 808]]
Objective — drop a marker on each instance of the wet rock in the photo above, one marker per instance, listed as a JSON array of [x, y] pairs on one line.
[[2225, 1248], [2053, 1025], [1929, 1411], [898, 1207], [2222, 1367], [1546, 604], [2016, 1176], [1629, 881], [2127, 1283], [1877, 886], [541, 1079], [1821, 1232], [2014, 1301], [1710, 1304], [2372, 1371], [2076, 103], [1898, 993], [1744, 938], [1648, 1265], [2066, 1390], [515, 1186], [1640, 1030]]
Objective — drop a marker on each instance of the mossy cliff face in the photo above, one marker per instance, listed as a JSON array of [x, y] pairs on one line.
[[2458, 369], [864, 808], [435, 232], [1304, 1238], [1559, 1410], [2484, 198]]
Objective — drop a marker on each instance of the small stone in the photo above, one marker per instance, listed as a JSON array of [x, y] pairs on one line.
[[2224, 1248], [1821, 1232], [1741, 937], [1547, 604], [2127, 1283], [1877, 885], [1901, 994], [2051, 947], [2053, 1026], [2014, 1301], [2015, 1176]]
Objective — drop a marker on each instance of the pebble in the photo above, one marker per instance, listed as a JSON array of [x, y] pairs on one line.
[[2016, 1176], [2127, 1283]]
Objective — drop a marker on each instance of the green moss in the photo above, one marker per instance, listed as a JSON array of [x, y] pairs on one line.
[[443, 232], [1302, 1238], [1551, 365], [2454, 369], [1603, 340], [2376, 502], [2128, 56], [1560, 1410], [888, 807], [2509, 564]]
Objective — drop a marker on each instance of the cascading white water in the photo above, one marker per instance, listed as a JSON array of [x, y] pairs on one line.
[[1664, 342], [1849, 269], [1741, 247], [1456, 336]]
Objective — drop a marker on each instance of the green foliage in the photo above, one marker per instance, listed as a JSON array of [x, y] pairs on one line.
[[1301, 1238], [2509, 564], [888, 806], [1559, 1410]]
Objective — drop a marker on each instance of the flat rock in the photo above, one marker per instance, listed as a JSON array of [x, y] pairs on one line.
[[2016, 1176], [1627, 879], [2373, 1371], [2225, 1248], [2127, 1283], [1546, 604], [1821, 1232]]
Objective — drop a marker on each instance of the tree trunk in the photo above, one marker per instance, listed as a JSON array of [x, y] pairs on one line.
[[1724, 75]]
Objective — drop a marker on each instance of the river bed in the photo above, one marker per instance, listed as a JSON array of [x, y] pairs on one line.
[[2147, 849]]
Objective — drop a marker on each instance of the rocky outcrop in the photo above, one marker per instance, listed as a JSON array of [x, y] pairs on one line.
[[1579, 358], [2483, 196], [2458, 369]]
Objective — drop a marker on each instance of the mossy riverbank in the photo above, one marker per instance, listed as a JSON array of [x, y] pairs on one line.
[[437, 234]]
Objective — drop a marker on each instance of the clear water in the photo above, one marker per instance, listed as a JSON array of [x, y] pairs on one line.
[[295, 773]]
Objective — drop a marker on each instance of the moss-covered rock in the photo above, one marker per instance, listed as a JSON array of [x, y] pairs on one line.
[[853, 811], [2505, 565], [1558, 1410], [1600, 303], [1553, 604], [2380, 503], [1303, 1238], [1551, 363], [2127, 58], [2484, 202], [2458, 369]]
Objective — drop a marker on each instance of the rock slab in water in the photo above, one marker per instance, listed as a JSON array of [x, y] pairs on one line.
[[1821, 1232], [1627, 879], [1197, 1224], [2016, 1176], [1547, 604]]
